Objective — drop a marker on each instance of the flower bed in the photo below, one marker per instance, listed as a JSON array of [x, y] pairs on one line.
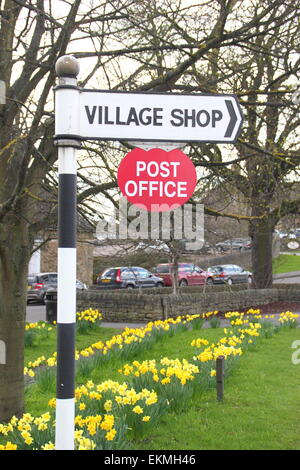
[[110, 414], [128, 342]]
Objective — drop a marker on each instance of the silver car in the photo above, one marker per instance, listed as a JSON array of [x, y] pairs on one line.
[[229, 274], [240, 244], [39, 284]]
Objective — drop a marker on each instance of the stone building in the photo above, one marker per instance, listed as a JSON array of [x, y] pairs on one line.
[[45, 258]]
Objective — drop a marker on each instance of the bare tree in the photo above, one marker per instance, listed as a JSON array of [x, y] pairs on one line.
[[264, 71]]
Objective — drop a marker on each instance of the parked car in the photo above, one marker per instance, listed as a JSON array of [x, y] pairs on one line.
[[205, 248], [297, 232], [230, 274], [234, 244], [126, 277], [39, 284], [281, 233], [188, 274], [291, 233]]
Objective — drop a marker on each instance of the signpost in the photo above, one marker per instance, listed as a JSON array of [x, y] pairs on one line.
[[66, 68], [136, 117]]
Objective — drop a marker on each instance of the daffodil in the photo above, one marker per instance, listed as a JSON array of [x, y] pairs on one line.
[[110, 435]]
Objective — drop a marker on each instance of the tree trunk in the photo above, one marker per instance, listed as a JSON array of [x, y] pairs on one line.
[[261, 232], [14, 258]]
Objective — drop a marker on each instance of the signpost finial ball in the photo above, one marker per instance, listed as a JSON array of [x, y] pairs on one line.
[[67, 65]]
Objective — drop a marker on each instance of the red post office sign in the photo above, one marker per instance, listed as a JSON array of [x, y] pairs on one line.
[[157, 180]]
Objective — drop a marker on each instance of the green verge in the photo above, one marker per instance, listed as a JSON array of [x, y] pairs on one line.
[[286, 263], [260, 411]]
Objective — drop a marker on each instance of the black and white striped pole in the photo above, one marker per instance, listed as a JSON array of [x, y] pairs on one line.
[[66, 99]]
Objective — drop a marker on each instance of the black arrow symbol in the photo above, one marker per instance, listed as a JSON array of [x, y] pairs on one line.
[[233, 118]]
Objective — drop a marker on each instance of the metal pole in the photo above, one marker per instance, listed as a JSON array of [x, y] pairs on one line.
[[66, 97]]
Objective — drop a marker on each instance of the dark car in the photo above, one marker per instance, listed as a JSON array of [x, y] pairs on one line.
[[188, 274], [229, 274], [39, 284], [128, 278], [234, 244]]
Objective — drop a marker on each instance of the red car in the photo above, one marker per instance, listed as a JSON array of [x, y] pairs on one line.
[[188, 274]]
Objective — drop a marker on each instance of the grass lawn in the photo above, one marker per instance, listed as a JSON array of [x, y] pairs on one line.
[[261, 409], [286, 263]]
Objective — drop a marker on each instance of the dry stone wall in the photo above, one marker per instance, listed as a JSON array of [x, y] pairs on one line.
[[150, 306]]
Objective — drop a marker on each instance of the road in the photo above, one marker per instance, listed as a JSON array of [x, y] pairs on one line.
[[287, 278], [35, 313]]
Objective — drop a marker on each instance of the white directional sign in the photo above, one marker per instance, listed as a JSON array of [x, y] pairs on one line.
[[147, 116]]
